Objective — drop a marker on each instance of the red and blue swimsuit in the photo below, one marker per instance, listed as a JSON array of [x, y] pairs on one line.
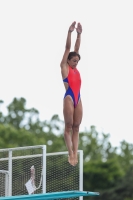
[[74, 81]]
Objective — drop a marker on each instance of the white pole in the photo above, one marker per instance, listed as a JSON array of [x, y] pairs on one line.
[[10, 172], [44, 170], [6, 174], [6, 183], [81, 172]]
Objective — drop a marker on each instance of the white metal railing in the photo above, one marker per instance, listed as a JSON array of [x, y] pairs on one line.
[[10, 159], [6, 173]]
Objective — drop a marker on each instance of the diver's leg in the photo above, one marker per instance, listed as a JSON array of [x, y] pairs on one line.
[[68, 112], [77, 118]]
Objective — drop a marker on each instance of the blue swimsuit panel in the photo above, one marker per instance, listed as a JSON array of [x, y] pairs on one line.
[[70, 92]]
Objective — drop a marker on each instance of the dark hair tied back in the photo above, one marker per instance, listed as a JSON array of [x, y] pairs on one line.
[[73, 54]]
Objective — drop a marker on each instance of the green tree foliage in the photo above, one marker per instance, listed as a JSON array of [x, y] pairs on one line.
[[19, 116], [106, 169], [1, 114], [126, 155], [96, 146], [22, 127], [96, 172], [122, 191], [11, 137]]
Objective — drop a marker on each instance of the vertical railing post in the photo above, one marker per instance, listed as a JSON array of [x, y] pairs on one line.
[[44, 170], [6, 183], [81, 172], [10, 172]]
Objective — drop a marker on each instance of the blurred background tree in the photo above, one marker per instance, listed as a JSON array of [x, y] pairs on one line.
[[107, 169]]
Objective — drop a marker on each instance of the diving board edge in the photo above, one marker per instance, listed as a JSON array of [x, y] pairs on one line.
[[52, 195]]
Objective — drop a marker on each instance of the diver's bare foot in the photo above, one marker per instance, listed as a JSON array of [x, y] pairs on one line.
[[75, 159], [71, 159]]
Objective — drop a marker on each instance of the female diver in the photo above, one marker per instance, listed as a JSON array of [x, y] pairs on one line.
[[72, 108]]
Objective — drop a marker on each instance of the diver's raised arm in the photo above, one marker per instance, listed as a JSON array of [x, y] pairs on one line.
[[68, 45], [78, 39]]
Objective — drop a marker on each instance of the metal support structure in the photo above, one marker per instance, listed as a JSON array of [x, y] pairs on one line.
[[10, 173], [10, 158], [6, 181], [44, 170], [81, 172]]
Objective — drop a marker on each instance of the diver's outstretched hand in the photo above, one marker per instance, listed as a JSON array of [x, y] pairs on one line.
[[79, 28], [72, 27]]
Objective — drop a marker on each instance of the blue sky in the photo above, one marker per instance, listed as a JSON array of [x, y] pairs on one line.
[[32, 42]]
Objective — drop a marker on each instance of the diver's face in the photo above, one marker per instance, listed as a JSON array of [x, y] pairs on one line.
[[73, 61]]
